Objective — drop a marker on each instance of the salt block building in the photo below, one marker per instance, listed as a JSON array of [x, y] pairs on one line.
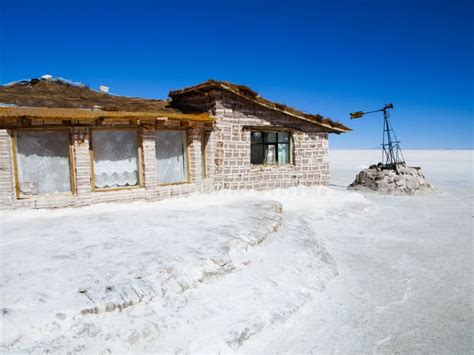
[[63, 144]]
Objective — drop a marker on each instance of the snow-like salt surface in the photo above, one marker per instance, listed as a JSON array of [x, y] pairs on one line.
[[332, 271]]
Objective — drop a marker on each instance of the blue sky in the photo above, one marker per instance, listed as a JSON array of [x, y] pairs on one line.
[[328, 57]]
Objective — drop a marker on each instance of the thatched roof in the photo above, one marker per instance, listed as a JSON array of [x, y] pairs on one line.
[[249, 94], [56, 93], [59, 99]]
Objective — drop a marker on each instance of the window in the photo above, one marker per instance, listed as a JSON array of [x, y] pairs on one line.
[[42, 162], [171, 157], [270, 148], [115, 162]]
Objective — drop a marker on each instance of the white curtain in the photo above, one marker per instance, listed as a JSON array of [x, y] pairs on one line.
[[115, 158], [270, 154], [43, 161], [283, 153], [170, 156]]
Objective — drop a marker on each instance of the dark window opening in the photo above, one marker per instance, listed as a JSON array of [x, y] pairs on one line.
[[270, 148]]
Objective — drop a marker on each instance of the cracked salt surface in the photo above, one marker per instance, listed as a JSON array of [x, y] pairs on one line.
[[302, 270]]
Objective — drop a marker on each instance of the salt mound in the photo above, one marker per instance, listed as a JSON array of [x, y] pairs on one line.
[[394, 180]]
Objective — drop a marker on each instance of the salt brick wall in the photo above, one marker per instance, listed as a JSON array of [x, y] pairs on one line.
[[232, 145], [7, 185], [150, 172], [82, 165]]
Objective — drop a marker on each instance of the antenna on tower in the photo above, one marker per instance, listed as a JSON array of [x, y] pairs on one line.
[[391, 152]]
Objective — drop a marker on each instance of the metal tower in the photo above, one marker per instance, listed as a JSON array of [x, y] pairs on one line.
[[391, 152]]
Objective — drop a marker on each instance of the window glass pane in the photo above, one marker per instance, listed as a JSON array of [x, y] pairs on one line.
[[115, 158], [256, 154], [257, 137], [170, 156], [43, 162], [283, 153], [283, 137], [270, 154], [270, 137]]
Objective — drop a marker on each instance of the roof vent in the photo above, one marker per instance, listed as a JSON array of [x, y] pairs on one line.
[[47, 77], [103, 88]]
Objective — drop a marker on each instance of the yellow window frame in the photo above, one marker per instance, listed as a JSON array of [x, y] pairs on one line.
[[139, 159], [188, 170], [72, 169]]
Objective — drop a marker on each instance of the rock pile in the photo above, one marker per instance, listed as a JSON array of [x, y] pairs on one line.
[[395, 180]]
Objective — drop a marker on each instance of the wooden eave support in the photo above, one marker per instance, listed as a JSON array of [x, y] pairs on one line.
[[24, 121]]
